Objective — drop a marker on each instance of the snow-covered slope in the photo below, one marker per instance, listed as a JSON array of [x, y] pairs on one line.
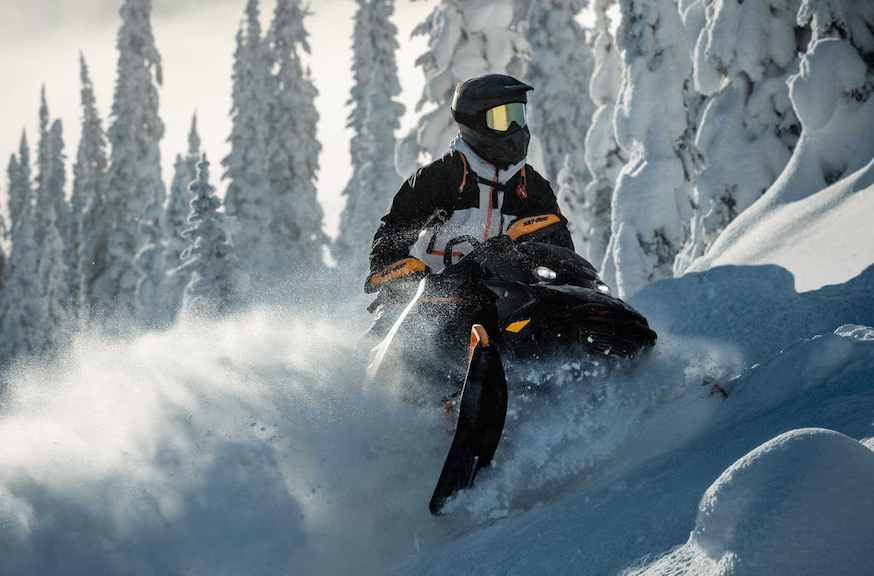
[[821, 238]]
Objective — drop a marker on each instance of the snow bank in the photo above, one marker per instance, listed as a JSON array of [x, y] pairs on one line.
[[799, 504], [754, 310], [821, 239]]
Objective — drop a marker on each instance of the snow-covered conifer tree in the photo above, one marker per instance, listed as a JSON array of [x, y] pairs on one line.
[[651, 202], [374, 118], [90, 228], [742, 57], [559, 67], [135, 161], [179, 200], [3, 258], [22, 310], [53, 259], [293, 150], [42, 167], [50, 164], [12, 172], [175, 219], [209, 261], [465, 39], [248, 195], [603, 156], [20, 185], [53, 280], [833, 96]]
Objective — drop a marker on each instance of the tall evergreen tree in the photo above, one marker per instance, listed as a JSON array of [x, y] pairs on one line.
[[3, 259], [374, 118], [293, 150], [5, 234], [20, 185], [135, 161], [50, 179], [22, 310], [652, 192], [176, 217], [90, 228], [209, 261], [42, 166], [248, 195], [12, 172], [53, 268], [179, 200], [49, 169], [604, 157]]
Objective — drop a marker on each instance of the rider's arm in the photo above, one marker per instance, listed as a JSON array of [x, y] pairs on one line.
[[399, 229]]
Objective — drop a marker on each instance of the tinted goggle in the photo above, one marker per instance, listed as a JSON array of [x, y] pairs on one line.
[[501, 117]]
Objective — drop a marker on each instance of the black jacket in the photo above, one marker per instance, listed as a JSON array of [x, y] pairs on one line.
[[434, 187]]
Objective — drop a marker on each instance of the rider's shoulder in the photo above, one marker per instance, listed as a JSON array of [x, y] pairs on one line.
[[440, 169], [449, 162], [536, 181], [532, 174]]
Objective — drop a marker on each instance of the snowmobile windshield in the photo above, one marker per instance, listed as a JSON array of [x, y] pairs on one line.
[[501, 117]]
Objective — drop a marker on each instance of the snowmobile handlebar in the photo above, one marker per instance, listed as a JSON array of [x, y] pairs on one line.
[[447, 252]]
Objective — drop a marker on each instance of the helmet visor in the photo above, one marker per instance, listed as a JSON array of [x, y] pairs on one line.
[[501, 117]]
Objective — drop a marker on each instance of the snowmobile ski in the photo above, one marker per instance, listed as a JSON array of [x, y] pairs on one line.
[[481, 415]]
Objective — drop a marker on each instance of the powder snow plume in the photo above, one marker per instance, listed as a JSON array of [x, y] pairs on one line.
[[245, 446], [254, 445]]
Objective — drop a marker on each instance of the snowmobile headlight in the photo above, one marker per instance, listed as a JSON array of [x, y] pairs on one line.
[[544, 273], [603, 288]]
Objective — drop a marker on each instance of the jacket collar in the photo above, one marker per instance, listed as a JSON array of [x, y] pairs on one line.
[[483, 168]]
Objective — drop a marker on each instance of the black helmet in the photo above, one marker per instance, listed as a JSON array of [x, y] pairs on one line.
[[496, 131]]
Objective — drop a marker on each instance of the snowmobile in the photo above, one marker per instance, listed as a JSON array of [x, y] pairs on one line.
[[511, 299]]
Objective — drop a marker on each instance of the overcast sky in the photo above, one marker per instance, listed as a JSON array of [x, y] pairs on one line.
[[40, 42]]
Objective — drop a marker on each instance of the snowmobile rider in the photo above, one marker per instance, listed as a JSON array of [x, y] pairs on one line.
[[478, 188]]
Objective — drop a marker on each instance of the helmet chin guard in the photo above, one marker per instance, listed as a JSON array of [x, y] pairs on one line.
[[502, 149], [473, 98]]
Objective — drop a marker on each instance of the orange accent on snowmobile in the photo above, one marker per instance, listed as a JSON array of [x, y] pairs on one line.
[[478, 335], [516, 326], [531, 224], [397, 270]]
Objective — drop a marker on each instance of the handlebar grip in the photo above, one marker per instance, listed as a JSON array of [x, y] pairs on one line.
[[447, 251]]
